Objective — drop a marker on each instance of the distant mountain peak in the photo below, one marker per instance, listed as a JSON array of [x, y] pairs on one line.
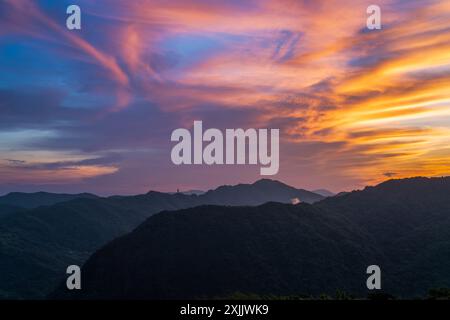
[[266, 181], [41, 198], [261, 191], [419, 181]]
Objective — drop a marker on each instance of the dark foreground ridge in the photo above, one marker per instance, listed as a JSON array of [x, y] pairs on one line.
[[37, 245], [37, 199], [280, 249]]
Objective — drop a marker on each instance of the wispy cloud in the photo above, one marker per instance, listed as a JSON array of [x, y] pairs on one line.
[[353, 105]]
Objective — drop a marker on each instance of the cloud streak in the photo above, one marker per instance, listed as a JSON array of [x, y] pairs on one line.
[[353, 105]]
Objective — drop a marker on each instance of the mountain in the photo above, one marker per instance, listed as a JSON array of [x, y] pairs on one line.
[[36, 199], [410, 221], [261, 191], [213, 251], [38, 244], [190, 192], [6, 209], [196, 192], [324, 192]]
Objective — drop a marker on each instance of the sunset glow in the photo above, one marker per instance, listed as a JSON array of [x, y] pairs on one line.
[[92, 110]]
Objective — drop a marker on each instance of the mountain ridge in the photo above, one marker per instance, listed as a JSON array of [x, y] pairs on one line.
[[283, 249], [30, 200], [45, 239]]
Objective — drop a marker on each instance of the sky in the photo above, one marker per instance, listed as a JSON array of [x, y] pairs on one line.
[[92, 110]]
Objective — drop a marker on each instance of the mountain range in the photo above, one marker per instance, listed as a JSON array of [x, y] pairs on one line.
[[403, 226], [246, 238], [37, 199], [42, 233]]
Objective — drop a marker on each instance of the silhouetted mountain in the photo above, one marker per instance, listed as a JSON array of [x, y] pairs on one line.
[[36, 199], [401, 225], [6, 209], [189, 192], [324, 192], [40, 243], [410, 221], [261, 191], [212, 251]]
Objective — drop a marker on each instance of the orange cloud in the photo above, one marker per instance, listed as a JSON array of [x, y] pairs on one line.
[[370, 102]]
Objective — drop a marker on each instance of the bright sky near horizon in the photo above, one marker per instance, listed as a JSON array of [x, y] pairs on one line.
[[93, 109]]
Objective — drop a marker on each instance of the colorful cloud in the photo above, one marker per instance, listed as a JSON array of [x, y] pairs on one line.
[[92, 110]]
